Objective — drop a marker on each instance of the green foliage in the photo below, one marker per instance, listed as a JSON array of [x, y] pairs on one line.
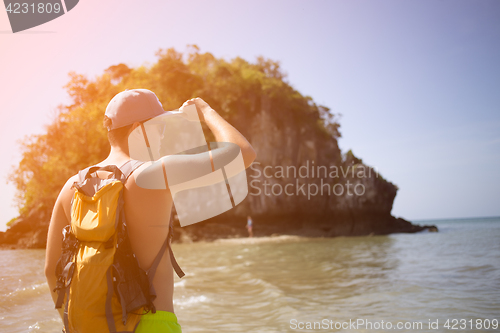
[[76, 138], [11, 222], [350, 159]]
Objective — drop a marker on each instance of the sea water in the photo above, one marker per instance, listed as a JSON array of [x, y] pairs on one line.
[[425, 282]]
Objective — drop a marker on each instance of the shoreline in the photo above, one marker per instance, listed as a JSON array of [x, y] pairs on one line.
[[25, 234], [274, 238]]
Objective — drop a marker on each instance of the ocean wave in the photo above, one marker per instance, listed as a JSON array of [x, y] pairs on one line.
[[258, 240], [192, 300], [26, 292]]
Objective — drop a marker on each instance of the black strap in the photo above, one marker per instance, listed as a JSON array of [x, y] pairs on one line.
[[124, 308], [69, 269], [152, 270], [128, 167], [109, 314], [120, 212], [60, 297], [66, 316], [176, 266], [68, 274]]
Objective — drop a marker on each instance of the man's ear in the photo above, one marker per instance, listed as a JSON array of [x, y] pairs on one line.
[[134, 126]]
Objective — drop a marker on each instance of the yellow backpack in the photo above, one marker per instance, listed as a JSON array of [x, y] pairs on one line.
[[99, 280]]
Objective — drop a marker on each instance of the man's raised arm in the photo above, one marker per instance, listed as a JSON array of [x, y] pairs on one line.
[[222, 130]]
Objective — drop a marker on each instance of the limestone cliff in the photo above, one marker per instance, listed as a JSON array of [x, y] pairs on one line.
[[301, 184]]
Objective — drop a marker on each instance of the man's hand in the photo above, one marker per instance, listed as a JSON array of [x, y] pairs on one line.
[[202, 107], [222, 130]]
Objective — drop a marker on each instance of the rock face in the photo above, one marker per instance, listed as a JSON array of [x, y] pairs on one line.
[[300, 184], [28, 232]]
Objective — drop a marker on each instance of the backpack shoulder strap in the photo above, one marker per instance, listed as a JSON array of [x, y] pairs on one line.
[[83, 173], [152, 270], [87, 172], [127, 168], [176, 266], [130, 166]]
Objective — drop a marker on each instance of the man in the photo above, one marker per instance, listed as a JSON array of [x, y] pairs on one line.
[[145, 210], [249, 226]]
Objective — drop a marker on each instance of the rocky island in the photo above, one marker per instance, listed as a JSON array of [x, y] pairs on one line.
[[300, 184]]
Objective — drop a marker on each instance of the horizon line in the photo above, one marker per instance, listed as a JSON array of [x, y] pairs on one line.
[[456, 218]]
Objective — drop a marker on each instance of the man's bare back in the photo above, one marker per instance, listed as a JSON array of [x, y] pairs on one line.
[[147, 214]]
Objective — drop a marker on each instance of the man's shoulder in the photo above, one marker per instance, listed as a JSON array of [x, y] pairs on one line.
[[64, 199], [69, 183], [148, 178]]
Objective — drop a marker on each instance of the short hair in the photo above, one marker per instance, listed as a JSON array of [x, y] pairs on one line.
[[117, 135]]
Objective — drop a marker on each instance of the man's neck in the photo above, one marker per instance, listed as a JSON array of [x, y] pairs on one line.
[[117, 156]]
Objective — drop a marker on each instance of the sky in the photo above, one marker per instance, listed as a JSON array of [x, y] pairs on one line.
[[417, 83]]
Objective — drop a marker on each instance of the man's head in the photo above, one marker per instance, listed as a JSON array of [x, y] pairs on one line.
[[130, 106], [118, 136], [127, 108]]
